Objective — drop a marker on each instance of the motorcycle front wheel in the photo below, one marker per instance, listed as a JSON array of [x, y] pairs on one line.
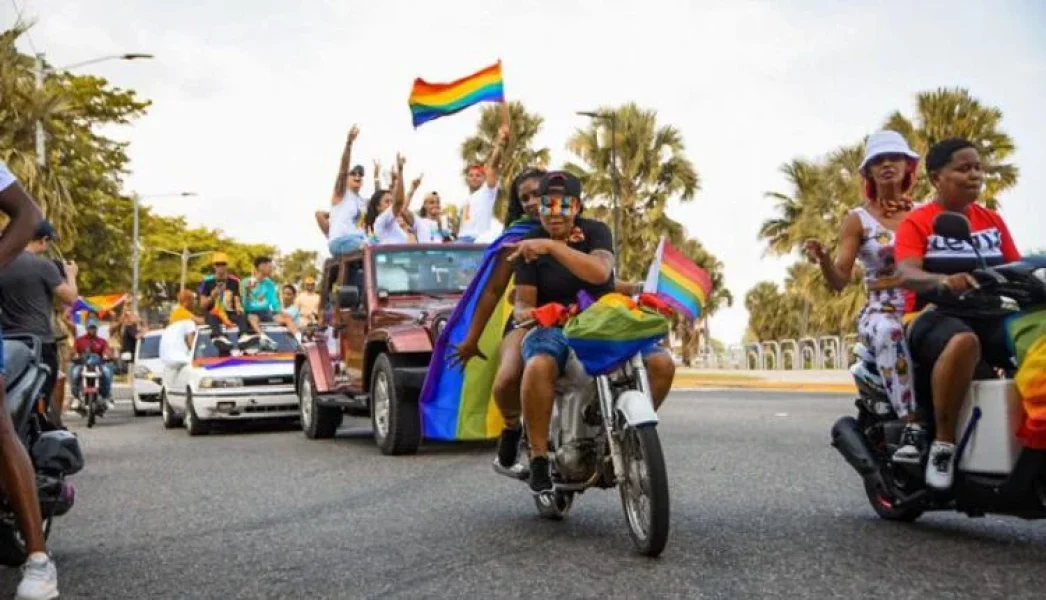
[[644, 491], [90, 411]]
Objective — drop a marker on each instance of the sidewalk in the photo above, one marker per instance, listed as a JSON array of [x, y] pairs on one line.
[[826, 381]]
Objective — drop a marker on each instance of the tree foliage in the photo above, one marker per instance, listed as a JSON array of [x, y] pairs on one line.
[[80, 186], [298, 265]]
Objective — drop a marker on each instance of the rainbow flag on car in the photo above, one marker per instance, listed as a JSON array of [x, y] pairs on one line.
[[678, 281], [430, 101], [458, 404], [612, 330]]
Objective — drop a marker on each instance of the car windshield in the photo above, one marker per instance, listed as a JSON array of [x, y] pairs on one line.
[[205, 349], [149, 347], [431, 270]]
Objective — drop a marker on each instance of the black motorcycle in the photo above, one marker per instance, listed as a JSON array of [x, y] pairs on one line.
[[55, 453], [994, 472]]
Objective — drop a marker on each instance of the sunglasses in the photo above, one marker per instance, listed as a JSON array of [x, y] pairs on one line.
[[559, 205]]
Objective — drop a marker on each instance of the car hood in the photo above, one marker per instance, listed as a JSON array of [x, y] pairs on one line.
[[259, 365]]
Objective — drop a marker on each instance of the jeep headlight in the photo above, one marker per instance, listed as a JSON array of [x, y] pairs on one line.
[[228, 382], [438, 327]]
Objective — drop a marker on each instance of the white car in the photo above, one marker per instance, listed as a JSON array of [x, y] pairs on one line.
[[231, 388], [147, 375]]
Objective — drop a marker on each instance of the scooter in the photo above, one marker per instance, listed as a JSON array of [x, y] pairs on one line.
[[55, 453], [995, 473]]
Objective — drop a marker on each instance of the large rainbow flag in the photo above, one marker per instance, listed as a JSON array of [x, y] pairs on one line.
[[612, 330], [678, 281], [98, 305], [430, 101], [1027, 340], [459, 404]]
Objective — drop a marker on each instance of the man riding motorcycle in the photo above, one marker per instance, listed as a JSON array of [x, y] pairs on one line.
[[39, 575], [947, 347], [567, 255], [91, 343]]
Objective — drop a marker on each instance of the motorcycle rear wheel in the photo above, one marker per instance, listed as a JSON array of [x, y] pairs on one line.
[[645, 478]]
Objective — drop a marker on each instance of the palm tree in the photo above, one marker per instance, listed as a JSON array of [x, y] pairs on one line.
[[518, 154], [953, 112], [22, 106], [653, 169], [783, 233]]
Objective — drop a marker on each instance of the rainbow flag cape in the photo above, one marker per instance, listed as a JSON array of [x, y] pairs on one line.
[[99, 305], [611, 331], [430, 101], [459, 404], [220, 362], [678, 281], [1027, 339]]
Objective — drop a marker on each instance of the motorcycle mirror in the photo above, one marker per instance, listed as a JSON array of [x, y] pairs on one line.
[[953, 226], [956, 227]]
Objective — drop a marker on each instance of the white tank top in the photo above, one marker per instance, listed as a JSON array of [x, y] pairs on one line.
[[344, 216], [877, 259]]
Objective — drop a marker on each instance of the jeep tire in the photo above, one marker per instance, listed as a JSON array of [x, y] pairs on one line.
[[317, 422], [393, 411]]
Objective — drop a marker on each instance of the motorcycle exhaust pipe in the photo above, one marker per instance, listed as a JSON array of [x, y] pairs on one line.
[[850, 442]]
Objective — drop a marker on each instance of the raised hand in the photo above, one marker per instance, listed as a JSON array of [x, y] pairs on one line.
[[417, 181], [353, 133], [400, 161], [814, 250]]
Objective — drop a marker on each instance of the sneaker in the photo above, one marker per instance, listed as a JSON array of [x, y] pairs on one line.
[[913, 440], [940, 468], [508, 446], [540, 475], [39, 579], [268, 344], [222, 343]]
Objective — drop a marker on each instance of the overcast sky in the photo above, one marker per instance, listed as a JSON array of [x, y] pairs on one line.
[[252, 98]]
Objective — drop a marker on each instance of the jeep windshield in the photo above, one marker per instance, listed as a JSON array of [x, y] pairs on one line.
[[205, 349], [443, 270]]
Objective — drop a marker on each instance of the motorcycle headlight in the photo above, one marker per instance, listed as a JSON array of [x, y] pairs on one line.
[[228, 382]]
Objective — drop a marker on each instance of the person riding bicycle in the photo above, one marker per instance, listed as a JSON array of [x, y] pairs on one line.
[[567, 255], [947, 348], [17, 479], [92, 343]]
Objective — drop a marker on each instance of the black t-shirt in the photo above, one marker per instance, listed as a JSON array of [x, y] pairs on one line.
[[226, 299], [555, 283], [129, 339]]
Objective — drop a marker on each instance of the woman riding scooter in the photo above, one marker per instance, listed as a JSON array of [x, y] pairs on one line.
[[947, 348]]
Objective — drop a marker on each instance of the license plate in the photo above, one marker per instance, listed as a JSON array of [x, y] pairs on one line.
[[226, 406]]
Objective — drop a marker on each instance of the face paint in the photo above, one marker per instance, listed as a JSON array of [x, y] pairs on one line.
[[559, 205]]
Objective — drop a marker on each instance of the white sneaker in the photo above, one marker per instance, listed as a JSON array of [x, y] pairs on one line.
[[913, 440], [39, 579], [940, 468]]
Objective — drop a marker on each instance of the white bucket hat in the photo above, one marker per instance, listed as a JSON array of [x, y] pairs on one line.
[[885, 142]]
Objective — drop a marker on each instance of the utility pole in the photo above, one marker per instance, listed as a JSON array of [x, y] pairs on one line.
[[184, 255]]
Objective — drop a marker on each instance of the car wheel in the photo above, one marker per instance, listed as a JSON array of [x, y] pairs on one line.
[[394, 411], [193, 425], [317, 422], [167, 414]]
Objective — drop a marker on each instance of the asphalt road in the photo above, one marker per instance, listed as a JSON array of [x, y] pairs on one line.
[[762, 508]]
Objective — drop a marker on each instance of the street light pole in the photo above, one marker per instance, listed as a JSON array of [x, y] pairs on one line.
[[136, 244], [615, 188], [185, 255], [41, 143]]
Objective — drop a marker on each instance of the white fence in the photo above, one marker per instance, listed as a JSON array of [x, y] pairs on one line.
[[808, 353]]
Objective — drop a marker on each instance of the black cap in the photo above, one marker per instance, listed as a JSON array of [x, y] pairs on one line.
[[45, 230], [357, 170], [560, 181]]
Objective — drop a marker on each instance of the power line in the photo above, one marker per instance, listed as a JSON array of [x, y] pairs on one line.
[[18, 18]]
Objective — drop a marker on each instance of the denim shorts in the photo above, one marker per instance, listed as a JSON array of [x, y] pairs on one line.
[[552, 342], [345, 244]]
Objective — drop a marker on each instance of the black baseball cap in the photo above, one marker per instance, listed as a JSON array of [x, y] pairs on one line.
[[357, 170], [560, 181], [45, 230]]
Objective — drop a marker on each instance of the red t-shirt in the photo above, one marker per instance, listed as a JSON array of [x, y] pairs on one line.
[[96, 345], [915, 239]]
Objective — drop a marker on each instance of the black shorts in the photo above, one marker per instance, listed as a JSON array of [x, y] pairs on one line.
[[932, 330]]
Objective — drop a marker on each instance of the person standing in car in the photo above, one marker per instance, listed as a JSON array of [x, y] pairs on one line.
[[28, 288]]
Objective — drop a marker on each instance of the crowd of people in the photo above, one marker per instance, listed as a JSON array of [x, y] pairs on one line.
[[387, 217]]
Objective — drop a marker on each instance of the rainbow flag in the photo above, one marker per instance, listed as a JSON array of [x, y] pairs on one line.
[[612, 330], [430, 101], [98, 305], [678, 281], [1027, 340], [459, 404], [220, 362]]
